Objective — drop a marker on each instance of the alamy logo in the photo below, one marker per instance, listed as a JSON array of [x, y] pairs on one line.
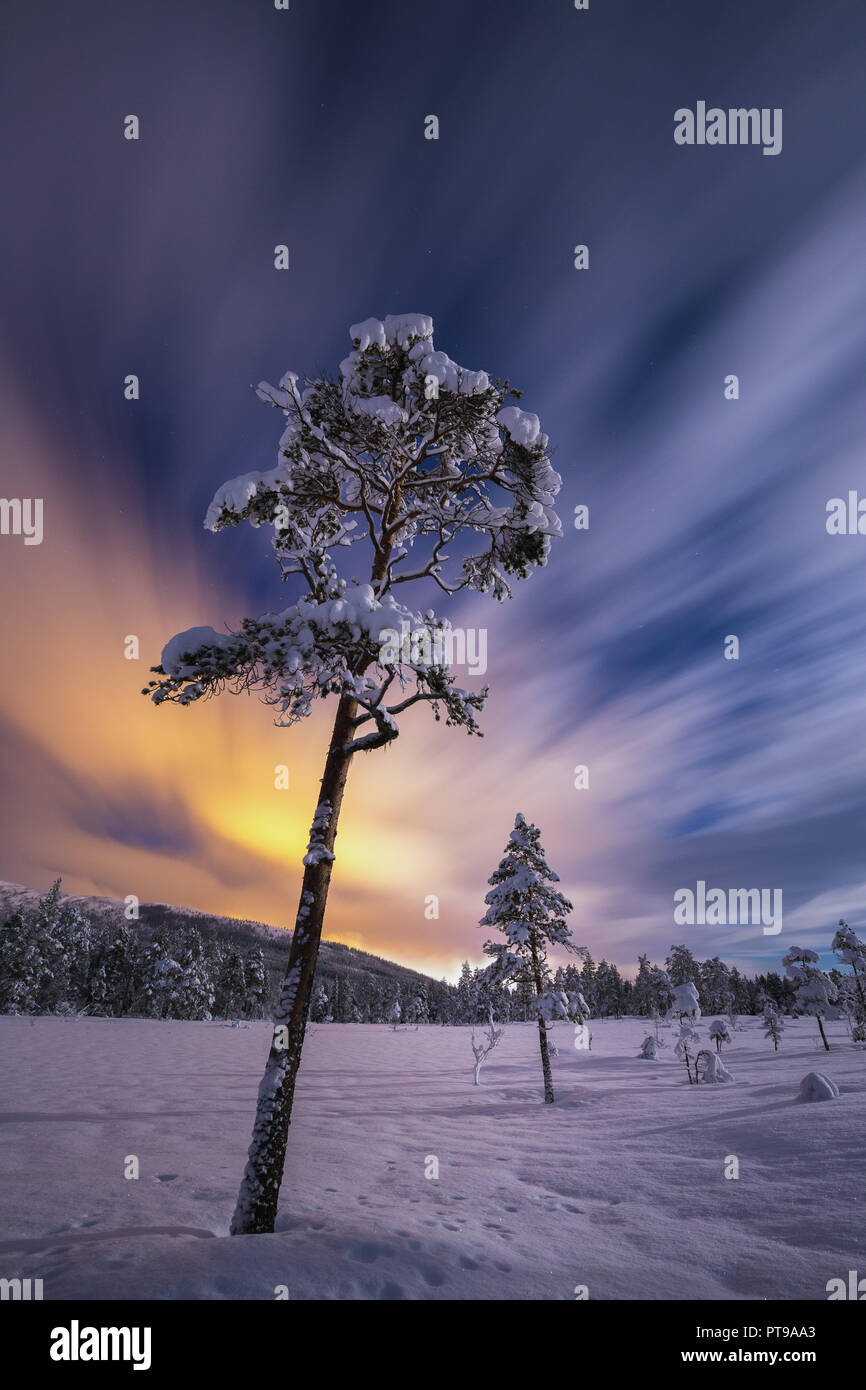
[[741, 907], [22, 516], [856, 1288], [20, 1290], [439, 646], [76, 1343], [846, 517], [737, 126]]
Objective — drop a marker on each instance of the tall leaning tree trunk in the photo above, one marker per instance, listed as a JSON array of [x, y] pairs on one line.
[[258, 1198], [823, 1034]]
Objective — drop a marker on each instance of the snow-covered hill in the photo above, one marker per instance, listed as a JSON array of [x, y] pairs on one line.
[[336, 961]]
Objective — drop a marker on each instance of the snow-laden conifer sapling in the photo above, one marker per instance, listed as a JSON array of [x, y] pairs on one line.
[[531, 915]]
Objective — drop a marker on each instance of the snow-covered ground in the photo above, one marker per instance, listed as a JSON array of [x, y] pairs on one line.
[[619, 1186]]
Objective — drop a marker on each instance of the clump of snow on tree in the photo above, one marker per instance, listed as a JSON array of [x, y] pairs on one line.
[[316, 850], [709, 1068], [686, 1003]]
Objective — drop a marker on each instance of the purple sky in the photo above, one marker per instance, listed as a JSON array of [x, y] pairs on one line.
[[707, 515]]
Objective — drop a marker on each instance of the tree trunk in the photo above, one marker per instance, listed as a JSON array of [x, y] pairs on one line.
[[549, 1097], [259, 1193], [823, 1034]]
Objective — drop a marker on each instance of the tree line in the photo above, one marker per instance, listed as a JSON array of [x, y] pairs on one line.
[[54, 960]]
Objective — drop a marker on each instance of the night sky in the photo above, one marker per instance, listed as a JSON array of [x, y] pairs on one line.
[[707, 515]]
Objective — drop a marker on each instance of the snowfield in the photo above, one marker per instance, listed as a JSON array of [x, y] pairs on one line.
[[620, 1186]]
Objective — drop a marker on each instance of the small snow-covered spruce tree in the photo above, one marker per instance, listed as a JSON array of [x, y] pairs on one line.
[[816, 992], [482, 1050], [720, 1033], [531, 914], [403, 451], [773, 1026], [687, 1008]]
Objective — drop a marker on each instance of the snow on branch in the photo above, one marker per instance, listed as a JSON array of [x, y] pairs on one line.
[[421, 450], [339, 645]]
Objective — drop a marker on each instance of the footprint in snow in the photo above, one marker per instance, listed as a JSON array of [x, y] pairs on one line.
[[368, 1252]]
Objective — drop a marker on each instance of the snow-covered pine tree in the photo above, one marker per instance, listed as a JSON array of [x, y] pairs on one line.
[[608, 990], [231, 983], [715, 986], [117, 979], [196, 986], [162, 986], [20, 966], [256, 981], [642, 997], [687, 1008], [77, 943], [54, 981], [351, 1008], [395, 1012], [467, 994], [720, 1033], [663, 994], [320, 1008], [773, 1026], [425, 455], [531, 914], [682, 968], [852, 951], [418, 1012], [588, 973], [816, 993]]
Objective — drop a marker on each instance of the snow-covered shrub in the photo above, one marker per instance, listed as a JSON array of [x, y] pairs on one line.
[[483, 1049], [816, 993], [687, 1044], [709, 1067], [686, 1004], [817, 1086], [649, 1048], [720, 1033]]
